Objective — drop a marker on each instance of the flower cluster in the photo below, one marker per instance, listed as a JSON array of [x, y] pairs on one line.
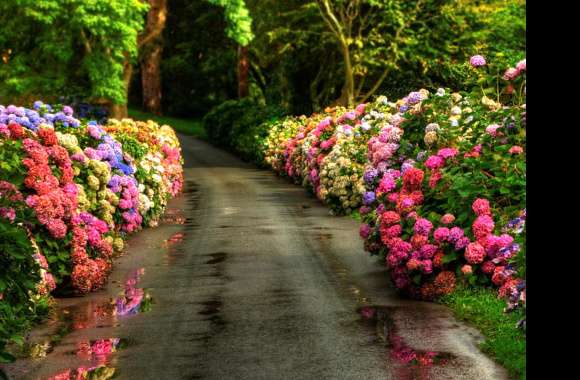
[[411, 166], [81, 187], [157, 158]]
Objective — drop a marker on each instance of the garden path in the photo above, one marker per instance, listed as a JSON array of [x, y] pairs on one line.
[[253, 279]]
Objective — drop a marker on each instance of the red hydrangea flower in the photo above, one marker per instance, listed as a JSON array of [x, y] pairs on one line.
[[481, 207], [412, 179], [474, 253], [441, 234], [444, 283], [488, 267], [389, 218], [482, 226]]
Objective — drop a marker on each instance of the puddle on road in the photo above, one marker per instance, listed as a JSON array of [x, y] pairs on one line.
[[410, 363], [211, 307], [134, 300], [97, 356], [95, 312], [96, 372], [98, 311], [100, 350], [217, 257], [174, 239], [414, 363]]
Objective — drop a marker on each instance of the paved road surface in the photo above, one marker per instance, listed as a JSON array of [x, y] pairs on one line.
[[251, 278]]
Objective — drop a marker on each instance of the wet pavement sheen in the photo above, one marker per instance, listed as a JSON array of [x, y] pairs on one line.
[[249, 277]]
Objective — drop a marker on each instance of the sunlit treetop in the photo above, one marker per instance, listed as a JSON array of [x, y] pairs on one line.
[[238, 18]]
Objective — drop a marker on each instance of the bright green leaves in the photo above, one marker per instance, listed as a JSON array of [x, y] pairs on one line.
[[77, 48], [239, 20]]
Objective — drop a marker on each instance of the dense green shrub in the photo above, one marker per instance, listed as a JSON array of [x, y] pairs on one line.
[[240, 125], [20, 303]]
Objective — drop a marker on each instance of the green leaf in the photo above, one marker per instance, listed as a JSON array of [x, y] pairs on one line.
[[5, 357], [449, 257]]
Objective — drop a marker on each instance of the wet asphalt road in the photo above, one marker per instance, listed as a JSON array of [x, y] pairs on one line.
[[251, 278]]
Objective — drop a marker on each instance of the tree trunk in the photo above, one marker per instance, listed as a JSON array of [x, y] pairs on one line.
[[119, 111], [243, 70], [152, 47], [348, 90], [151, 80]]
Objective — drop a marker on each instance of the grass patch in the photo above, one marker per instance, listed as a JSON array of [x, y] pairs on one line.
[[481, 308], [191, 127]]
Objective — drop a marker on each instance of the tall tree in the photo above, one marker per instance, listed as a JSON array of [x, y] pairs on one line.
[[382, 38], [240, 30], [80, 49], [151, 50]]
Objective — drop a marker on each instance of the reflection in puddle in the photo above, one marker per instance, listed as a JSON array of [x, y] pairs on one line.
[[400, 351], [94, 313], [174, 239], [134, 300], [81, 373], [97, 353], [100, 350]]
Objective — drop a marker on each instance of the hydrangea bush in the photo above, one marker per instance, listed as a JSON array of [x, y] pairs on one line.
[[70, 193], [438, 179]]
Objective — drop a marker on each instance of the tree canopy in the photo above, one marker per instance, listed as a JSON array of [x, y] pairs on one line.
[[78, 49], [301, 54], [239, 27]]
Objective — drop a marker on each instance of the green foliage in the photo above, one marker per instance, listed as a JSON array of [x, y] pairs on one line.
[[132, 146], [240, 125], [239, 21], [199, 65], [189, 127], [73, 49], [19, 274], [481, 307]]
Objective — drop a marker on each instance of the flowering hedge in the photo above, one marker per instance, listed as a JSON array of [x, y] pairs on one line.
[[70, 192], [438, 179]]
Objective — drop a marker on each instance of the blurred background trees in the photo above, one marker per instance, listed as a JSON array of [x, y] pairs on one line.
[[182, 57]]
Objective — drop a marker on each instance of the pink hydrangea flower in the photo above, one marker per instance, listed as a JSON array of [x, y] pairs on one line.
[[435, 162], [428, 251], [386, 185], [477, 61], [390, 217], [8, 213], [441, 234], [474, 253], [461, 243], [492, 130], [467, 269], [481, 207], [392, 231], [516, 150], [511, 73], [455, 234], [488, 267], [447, 152], [482, 226], [427, 266], [423, 227], [364, 231], [447, 219]]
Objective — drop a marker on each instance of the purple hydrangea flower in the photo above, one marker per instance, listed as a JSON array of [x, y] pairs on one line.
[[370, 175], [369, 197], [477, 60], [414, 97]]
